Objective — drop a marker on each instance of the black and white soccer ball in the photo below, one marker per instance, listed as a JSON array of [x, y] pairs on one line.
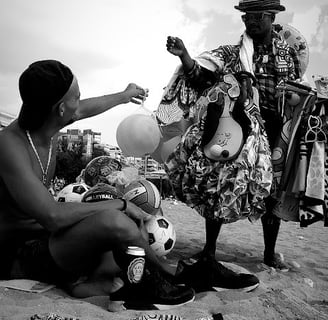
[[162, 235], [72, 192]]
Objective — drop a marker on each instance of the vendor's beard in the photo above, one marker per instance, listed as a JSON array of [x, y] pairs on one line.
[[258, 37]]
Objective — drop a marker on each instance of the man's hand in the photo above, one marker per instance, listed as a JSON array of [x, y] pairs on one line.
[[135, 94], [139, 216], [143, 230], [176, 46], [135, 213]]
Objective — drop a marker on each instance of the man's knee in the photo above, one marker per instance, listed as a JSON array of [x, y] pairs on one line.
[[118, 226]]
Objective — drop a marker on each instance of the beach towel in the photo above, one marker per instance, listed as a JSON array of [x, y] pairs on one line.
[[50, 316], [299, 159], [26, 285]]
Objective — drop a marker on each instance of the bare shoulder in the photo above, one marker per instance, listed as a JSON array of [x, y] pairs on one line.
[[12, 143]]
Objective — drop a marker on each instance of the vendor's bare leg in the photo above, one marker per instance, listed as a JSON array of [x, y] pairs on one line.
[[271, 226], [212, 227]]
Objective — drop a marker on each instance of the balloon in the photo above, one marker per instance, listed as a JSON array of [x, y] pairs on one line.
[[137, 135], [297, 41], [169, 146], [171, 135], [156, 155], [165, 148]]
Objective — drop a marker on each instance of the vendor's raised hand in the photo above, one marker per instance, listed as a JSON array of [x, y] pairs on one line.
[[175, 46], [135, 93]]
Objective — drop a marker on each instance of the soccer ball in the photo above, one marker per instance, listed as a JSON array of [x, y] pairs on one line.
[[144, 194], [162, 235], [72, 192], [100, 192], [99, 168]]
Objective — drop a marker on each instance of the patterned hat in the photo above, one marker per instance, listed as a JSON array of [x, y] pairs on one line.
[[260, 5]]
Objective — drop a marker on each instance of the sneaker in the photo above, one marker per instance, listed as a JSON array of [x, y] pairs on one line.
[[276, 261], [154, 292], [207, 274]]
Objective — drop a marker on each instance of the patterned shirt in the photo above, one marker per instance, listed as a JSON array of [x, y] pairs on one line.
[[273, 63], [268, 77]]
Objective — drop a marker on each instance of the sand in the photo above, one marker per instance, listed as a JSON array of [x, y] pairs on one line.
[[301, 293]]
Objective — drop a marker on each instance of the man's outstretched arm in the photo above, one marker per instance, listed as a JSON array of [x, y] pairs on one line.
[[94, 106]]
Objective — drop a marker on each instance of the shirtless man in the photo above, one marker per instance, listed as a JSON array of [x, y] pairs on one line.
[[59, 242]]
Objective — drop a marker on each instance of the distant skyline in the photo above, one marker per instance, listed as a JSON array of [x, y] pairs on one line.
[[109, 43]]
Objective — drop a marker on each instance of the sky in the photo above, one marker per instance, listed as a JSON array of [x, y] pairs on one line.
[[110, 43]]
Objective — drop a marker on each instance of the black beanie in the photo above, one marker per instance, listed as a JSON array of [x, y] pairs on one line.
[[42, 85]]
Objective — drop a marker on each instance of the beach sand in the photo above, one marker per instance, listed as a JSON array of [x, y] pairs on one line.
[[301, 293]]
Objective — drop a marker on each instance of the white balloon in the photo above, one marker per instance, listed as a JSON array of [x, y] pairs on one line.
[[165, 148], [137, 135]]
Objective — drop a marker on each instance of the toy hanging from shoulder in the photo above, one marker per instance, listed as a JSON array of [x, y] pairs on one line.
[[226, 125]]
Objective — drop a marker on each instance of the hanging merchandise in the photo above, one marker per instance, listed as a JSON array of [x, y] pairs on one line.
[[299, 157]]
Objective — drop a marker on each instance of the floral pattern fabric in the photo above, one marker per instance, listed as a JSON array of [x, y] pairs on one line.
[[230, 190], [234, 189]]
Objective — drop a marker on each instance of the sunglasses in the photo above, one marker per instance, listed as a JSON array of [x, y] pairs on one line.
[[258, 16]]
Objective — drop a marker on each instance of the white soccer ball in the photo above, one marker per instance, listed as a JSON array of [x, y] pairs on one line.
[[162, 235], [72, 192]]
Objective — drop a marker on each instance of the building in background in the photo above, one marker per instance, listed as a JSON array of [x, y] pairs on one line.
[[5, 119], [87, 138], [151, 164], [91, 143], [109, 150], [147, 165]]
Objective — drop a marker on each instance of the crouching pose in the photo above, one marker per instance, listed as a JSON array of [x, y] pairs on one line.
[[58, 242]]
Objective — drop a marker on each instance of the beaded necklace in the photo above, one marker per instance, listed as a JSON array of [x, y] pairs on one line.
[[44, 171], [261, 57]]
